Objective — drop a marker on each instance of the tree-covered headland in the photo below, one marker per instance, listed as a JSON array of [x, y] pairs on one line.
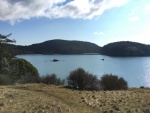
[[126, 48]]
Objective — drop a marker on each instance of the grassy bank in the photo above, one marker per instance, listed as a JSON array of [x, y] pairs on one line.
[[40, 98]]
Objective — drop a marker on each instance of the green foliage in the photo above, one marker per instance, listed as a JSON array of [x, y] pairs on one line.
[[80, 79], [5, 80], [14, 70], [21, 72], [5, 40], [28, 79], [22, 69], [52, 80], [112, 82], [6, 53], [126, 48], [59, 47]]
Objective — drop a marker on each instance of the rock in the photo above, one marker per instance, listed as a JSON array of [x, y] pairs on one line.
[[55, 60]]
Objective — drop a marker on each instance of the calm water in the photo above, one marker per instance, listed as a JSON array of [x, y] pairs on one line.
[[136, 70]]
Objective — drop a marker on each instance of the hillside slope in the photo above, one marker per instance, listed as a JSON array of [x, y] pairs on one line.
[[40, 98], [59, 47], [126, 48]]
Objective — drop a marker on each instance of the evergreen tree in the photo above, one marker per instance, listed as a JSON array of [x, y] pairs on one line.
[[6, 53]]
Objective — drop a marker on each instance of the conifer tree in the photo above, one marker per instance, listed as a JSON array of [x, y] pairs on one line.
[[6, 53]]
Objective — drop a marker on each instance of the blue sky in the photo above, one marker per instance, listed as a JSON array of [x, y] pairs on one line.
[[96, 21]]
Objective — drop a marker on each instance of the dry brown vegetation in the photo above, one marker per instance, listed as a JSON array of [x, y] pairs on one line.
[[40, 98]]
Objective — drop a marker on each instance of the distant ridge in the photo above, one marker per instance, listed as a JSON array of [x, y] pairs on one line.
[[120, 49], [59, 47], [126, 48]]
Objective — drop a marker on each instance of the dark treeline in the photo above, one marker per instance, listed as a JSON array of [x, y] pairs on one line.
[[123, 48], [126, 48], [59, 47]]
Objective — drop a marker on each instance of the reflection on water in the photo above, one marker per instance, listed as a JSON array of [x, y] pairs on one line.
[[136, 70], [146, 74]]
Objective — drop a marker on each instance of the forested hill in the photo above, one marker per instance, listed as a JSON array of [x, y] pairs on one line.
[[123, 48], [59, 47], [126, 48]]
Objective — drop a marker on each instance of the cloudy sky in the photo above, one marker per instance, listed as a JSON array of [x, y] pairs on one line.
[[97, 21]]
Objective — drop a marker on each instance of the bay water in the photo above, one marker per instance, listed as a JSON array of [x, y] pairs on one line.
[[135, 70]]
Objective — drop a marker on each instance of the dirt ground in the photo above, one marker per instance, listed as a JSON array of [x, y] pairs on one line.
[[40, 98]]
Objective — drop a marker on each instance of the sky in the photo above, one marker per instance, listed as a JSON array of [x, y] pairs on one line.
[[97, 21]]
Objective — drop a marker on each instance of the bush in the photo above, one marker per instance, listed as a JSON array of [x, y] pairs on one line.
[[5, 80], [79, 79], [29, 79], [112, 82], [142, 87], [22, 70], [52, 80]]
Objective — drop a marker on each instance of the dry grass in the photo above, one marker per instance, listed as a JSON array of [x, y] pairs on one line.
[[40, 98]]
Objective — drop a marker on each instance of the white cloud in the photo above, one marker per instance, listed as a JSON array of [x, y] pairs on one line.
[[132, 19], [133, 11], [16, 10], [98, 33], [147, 7], [115, 33]]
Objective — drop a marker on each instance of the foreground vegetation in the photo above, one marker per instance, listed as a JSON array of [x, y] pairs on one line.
[[80, 79], [41, 98]]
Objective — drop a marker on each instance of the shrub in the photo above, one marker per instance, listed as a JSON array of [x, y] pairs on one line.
[[142, 87], [5, 80], [22, 70], [29, 79], [112, 82], [80, 79], [52, 80]]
